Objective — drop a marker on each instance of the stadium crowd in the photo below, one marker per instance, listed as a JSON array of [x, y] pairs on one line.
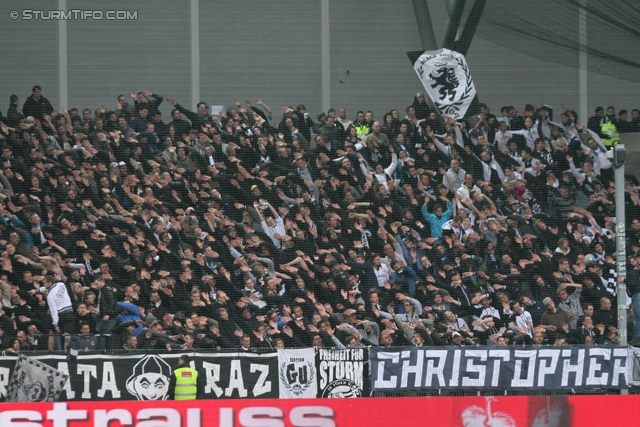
[[252, 229]]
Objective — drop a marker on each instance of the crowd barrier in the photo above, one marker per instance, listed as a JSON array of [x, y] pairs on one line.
[[333, 373]]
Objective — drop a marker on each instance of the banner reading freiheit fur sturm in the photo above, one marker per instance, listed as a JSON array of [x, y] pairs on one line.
[[447, 79]]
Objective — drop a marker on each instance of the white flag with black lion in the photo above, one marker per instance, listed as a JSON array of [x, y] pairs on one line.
[[447, 79]]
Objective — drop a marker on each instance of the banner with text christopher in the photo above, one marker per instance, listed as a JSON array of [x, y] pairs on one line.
[[498, 368]]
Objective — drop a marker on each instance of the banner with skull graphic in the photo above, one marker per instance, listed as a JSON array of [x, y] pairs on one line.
[[447, 79]]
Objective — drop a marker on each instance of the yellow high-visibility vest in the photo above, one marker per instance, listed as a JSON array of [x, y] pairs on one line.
[[609, 128], [362, 129], [186, 384]]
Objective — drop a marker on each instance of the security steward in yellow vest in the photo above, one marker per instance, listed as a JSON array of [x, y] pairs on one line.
[[610, 131], [185, 382]]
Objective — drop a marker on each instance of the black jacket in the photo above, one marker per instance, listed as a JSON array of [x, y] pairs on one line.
[[107, 300], [37, 108]]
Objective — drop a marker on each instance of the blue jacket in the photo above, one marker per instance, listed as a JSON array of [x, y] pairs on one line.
[[410, 275], [435, 222], [130, 313]]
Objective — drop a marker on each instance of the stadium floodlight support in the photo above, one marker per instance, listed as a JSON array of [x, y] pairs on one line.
[[619, 157], [455, 9], [463, 42], [425, 27]]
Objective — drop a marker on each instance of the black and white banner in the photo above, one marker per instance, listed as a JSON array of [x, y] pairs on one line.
[[297, 373], [343, 373], [506, 368], [633, 366], [34, 381], [146, 376], [446, 77]]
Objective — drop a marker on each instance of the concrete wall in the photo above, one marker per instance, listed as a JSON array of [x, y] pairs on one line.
[[269, 50], [261, 50], [29, 52], [108, 58]]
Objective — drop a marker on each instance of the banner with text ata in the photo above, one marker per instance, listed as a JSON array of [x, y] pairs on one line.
[[147, 376]]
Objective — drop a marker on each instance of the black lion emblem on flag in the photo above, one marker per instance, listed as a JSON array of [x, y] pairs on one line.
[[445, 78]]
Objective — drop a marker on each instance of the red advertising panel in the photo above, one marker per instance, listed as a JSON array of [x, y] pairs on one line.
[[407, 412]]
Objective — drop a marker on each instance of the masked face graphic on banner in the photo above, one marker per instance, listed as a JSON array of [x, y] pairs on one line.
[[150, 379]]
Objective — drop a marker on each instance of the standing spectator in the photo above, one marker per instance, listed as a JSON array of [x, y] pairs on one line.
[[622, 124], [123, 106], [554, 320], [420, 106], [147, 99], [139, 123], [635, 120], [37, 105], [570, 303], [437, 219], [342, 118], [14, 117], [106, 302], [586, 329], [59, 302]]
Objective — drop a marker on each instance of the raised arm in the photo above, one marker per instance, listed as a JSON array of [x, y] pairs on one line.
[[266, 107], [459, 138], [446, 181], [394, 162], [576, 173]]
